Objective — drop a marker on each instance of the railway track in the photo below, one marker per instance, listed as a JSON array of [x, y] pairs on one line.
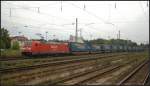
[[10, 58], [52, 57], [17, 58], [8, 70], [82, 78], [60, 69], [96, 66], [87, 75], [62, 74], [139, 76], [147, 80], [74, 72], [40, 61]]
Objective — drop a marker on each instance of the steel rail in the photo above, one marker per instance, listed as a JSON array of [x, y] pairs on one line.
[[121, 65], [7, 70], [105, 70], [81, 74], [42, 57], [146, 79], [76, 66], [72, 67], [132, 73]]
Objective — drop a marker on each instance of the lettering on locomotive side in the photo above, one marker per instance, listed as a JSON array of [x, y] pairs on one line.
[[54, 46]]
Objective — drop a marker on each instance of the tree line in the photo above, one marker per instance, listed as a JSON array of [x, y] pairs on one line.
[[114, 42], [5, 40]]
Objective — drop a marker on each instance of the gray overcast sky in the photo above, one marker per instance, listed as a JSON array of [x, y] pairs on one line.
[[97, 19]]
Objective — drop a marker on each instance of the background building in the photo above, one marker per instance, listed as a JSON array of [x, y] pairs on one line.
[[20, 39]]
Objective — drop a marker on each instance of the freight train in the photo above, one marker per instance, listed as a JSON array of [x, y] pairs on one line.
[[57, 48]]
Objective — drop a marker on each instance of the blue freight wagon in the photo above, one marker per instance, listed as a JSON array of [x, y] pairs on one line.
[[79, 48], [114, 48], [129, 48], [96, 48], [120, 48], [125, 48], [106, 48]]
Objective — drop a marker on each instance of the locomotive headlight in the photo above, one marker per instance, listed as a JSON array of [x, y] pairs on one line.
[[29, 48]]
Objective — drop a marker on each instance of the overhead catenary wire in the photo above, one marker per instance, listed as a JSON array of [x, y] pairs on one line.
[[123, 17], [92, 14], [34, 27], [106, 22], [58, 18], [42, 6], [142, 8], [48, 23], [41, 25], [39, 13], [20, 18], [42, 13]]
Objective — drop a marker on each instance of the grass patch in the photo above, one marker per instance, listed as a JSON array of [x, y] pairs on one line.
[[30, 62], [30, 75], [8, 83], [10, 53]]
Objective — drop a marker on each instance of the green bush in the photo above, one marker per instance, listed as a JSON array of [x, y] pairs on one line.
[[4, 39], [15, 45], [2, 44]]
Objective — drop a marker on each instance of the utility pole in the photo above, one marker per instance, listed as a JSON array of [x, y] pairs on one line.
[[91, 36], [54, 37], [119, 37], [46, 35], [119, 34], [84, 7], [76, 29], [80, 32], [61, 6], [108, 37], [115, 4]]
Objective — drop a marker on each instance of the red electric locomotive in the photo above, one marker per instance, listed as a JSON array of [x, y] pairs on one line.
[[42, 48]]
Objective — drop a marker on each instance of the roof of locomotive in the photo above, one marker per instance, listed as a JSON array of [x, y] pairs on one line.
[[45, 42]]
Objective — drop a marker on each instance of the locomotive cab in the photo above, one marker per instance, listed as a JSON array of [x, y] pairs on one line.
[[26, 49]]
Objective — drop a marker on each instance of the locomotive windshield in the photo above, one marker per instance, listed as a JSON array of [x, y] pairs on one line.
[[28, 43]]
